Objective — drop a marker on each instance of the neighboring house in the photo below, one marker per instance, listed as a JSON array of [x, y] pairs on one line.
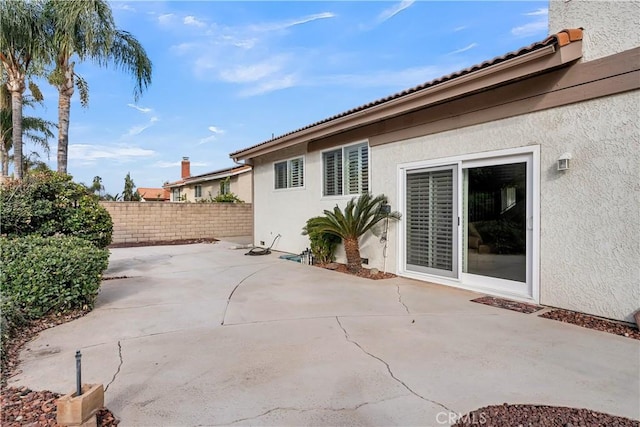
[[153, 194], [236, 180], [476, 163]]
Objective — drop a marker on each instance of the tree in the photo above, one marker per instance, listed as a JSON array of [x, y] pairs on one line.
[[96, 186], [129, 194], [360, 215], [34, 129], [22, 41], [86, 29]]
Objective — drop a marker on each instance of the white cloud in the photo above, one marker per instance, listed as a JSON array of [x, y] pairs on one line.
[[92, 153], [215, 129], [139, 108], [122, 6], [275, 26], [460, 28], [539, 12], [464, 49], [207, 139], [193, 21], [406, 78], [249, 73], [394, 10], [166, 18], [163, 164], [530, 29], [138, 129], [270, 86]]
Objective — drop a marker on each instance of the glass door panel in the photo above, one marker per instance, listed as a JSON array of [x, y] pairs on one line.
[[495, 221], [432, 221]]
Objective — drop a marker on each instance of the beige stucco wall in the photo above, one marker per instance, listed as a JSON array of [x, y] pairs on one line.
[[609, 26], [589, 216], [240, 185], [135, 222]]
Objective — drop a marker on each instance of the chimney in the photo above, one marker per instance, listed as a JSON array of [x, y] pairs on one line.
[[186, 167]]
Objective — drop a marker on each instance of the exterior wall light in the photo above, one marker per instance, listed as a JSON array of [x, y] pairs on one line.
[[563, 162]]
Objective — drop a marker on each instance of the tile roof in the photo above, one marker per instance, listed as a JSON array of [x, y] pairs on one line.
[[561, 38], [148, 193], [221, 173]]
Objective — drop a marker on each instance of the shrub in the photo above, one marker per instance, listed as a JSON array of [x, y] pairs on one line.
[[40, 275], [49, 203], [323, 245]]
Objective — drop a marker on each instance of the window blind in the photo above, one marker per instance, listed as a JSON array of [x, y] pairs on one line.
[[431, 213], [332, 169], [280, 173], [296, 173]]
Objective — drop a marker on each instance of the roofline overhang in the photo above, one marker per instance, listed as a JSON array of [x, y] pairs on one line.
[[535, 62], [198, 179]]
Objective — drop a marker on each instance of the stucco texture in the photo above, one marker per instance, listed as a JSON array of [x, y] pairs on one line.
[[609, 26], [589, 215]]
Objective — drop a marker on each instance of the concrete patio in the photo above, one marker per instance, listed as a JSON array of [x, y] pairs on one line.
[[203, 335]]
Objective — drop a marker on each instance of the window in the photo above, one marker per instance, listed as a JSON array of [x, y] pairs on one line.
[[198, 191], [225, 187], [346, 170], [175, 194], [289, 173]]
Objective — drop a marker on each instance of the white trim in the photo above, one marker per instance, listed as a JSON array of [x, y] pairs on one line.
[[465, 161]]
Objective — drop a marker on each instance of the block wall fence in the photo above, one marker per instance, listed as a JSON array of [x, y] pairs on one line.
[[136, 222]]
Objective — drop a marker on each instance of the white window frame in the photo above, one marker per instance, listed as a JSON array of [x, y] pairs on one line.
[[288, 174], [344, 148], [173, 194], [195, 191], [224, 187]]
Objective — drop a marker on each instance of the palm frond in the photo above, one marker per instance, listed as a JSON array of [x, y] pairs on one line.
[[129, 54], [83, 90]]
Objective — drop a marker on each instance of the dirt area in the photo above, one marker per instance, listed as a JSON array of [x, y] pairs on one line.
[[540, 416], [161, 243], [373, 273], [24, 407], [509, 304], [593, 322]]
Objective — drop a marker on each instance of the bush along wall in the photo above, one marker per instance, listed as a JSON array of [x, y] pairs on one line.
[[49, 203]]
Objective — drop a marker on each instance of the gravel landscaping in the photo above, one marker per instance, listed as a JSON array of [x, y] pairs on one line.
[[25, 407], [365, 272], [508, 304], [540, 416], [593, 322]]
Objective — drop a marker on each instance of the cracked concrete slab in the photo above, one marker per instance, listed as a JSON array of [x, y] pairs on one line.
[[307, 346]]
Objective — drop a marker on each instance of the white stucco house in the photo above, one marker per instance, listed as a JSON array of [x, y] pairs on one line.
[[517, 177]]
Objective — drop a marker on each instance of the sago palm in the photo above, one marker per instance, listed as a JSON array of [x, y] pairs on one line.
[[360, 215], [22, 43], [86, 29]]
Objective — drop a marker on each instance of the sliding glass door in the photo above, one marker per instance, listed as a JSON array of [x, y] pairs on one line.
[[472, 221]]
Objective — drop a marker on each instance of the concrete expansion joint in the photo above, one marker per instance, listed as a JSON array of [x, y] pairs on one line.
[[400, 300], [224, 315], [398, 380], [279, 408], [119, 367]]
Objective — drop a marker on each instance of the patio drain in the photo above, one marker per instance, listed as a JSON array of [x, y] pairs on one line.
[[520, 307]]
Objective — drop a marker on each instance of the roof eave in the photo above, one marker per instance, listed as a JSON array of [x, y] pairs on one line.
[[535, 62]]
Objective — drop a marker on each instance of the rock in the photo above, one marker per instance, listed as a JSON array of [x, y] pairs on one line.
[[332, 266], [374, 272]]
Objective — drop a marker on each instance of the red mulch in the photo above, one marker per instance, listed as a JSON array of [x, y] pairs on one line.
[[592, 322], [365, 272], [508, 304], [161, 243], [24, 407], [539, 416]]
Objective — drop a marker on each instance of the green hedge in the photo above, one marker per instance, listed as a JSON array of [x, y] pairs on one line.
[[49, 203], [40, 275]]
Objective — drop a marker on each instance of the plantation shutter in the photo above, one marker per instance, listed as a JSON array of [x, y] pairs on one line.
[[432, 221], [332, 167], [296, 173], [280, 172], [357, 169]]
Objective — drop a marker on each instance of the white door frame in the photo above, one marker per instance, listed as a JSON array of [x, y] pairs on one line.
[[499, 156]]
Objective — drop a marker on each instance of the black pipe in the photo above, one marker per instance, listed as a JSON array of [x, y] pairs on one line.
[[78, 373]]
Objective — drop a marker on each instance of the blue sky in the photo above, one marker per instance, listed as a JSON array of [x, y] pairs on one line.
[[228, 75]]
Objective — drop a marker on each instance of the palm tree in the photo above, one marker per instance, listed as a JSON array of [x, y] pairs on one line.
[[22, 41], [86, 29], [34, 129], [360, 215]]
